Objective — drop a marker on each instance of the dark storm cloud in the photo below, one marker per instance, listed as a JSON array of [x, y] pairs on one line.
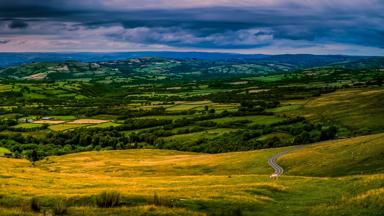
[[4, 41], [208, 24], [18, 24]]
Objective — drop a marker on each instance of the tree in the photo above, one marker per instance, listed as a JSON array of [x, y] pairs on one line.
[[328, 133], [33, 156]]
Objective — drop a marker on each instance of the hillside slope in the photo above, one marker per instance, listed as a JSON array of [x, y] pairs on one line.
[[203, 184], [359, 155], [358, 109]]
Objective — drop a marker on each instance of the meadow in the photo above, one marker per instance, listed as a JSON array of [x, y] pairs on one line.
[[354, 108], [194, 183]]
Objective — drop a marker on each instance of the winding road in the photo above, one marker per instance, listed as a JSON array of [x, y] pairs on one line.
[[272, 160]]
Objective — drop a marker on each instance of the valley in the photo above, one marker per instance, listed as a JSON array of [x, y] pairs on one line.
[[165, 136]]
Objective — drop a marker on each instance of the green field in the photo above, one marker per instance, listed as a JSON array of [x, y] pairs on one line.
[[272, 78], [172, 117], [255, 119], [197, 135], [4, 151], [64, 118], [285, 108], [63, 127], [28, 125], [200, 105], [104, 125]]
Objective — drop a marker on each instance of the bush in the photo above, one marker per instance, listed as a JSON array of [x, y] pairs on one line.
[[60, 207], [156, 199], [35, 204], [162, 201], [108, 199]]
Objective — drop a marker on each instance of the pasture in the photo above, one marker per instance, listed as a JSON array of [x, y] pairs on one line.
[[63, 127], [199, 105], [194, 183], [4, 151], [353, 156], [104, 125], [359, 109], [28, 125], [259, 119]]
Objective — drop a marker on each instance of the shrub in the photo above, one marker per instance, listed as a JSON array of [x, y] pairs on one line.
[[60, 207], [163, 201], [108, 199], [156, 199], [35, 204]]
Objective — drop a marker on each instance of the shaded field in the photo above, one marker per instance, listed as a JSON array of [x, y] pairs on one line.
[[192, 137], [285, 108], [200, 105], [161, 117], [104, 125], [259, 119]]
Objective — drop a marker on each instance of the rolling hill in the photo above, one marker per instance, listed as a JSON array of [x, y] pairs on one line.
[[120, 66], [163, 182]]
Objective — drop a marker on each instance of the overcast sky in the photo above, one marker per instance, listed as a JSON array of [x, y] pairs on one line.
[[353, 27]]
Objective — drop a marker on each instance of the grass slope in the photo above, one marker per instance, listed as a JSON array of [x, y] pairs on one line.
[[337, 158], [354, 108], [194, 183]]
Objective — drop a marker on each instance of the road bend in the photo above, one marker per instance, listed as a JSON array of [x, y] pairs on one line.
[[272, 160]]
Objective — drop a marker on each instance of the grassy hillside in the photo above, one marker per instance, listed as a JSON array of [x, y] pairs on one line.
[[337, 158], [358, 109], [172, 183]]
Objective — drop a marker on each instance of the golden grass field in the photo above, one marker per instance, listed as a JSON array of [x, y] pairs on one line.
[[51, 122], [88, 121], [200, 184]]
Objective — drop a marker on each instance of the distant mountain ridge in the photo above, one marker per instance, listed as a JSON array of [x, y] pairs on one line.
[[14, 59], [187, 66]]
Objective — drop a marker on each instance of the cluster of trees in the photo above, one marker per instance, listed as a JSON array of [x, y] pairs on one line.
[[6, 124], [35, 148], [299, 130], [85, 139]]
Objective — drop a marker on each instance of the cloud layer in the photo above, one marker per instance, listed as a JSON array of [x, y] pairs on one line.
[[248, 26]]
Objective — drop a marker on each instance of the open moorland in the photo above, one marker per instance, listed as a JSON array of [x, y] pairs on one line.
[[162, 136]]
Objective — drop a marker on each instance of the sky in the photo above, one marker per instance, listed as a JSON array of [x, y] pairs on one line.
[[351, 27]]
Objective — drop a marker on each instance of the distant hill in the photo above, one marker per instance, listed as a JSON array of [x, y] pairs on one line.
[[12, 59], [171, 66]]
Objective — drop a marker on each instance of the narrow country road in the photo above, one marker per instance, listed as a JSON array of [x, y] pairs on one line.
[[272, 160]]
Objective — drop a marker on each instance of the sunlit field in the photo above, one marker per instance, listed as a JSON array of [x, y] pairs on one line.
[[195, 183]]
